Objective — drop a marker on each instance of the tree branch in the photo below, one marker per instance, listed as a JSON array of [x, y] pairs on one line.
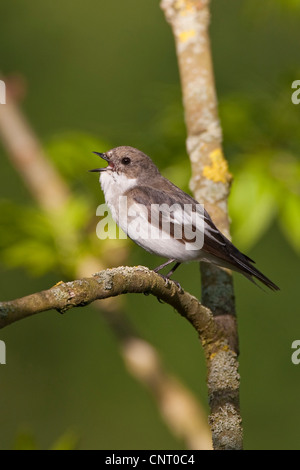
[[210, 184], [110, 283], [122, 280], [187, 421]]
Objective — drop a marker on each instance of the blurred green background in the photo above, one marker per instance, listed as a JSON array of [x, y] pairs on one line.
[[101, 74]]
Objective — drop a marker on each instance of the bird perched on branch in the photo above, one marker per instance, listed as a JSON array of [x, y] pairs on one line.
[[163, 219]]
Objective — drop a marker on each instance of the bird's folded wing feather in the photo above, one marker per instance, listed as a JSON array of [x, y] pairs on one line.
[[182, 213], [220, 250]]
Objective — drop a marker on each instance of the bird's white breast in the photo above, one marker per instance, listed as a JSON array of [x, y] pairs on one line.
[[114, 186], [133, 219]]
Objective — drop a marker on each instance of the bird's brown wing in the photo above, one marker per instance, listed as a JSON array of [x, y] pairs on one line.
[[214, 244]]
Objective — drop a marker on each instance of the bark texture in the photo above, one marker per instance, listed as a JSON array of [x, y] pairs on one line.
[[210, 184]]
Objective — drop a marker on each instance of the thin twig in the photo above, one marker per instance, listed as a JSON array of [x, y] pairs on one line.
[[27, 154]]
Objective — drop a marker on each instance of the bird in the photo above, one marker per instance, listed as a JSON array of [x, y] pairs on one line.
[[163, 219]]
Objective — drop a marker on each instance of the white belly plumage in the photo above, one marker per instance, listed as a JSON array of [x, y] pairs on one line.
[[133, 219]]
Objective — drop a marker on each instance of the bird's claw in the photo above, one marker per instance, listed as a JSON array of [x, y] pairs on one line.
[[167, 280], [179, 287]]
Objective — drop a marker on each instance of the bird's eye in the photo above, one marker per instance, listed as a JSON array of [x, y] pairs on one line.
[[126, 160]]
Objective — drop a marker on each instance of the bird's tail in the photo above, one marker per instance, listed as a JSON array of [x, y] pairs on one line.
[[244, 265]]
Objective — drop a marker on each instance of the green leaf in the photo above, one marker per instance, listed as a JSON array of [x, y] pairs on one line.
[[37, 257], [290, 219], [252, 204], [73, 150]]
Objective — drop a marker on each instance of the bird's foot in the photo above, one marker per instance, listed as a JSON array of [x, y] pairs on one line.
[[167, 280]]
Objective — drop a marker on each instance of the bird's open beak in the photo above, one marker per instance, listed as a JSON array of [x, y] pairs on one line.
[[105, 157]]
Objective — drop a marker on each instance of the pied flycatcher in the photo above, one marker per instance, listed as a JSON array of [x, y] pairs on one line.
[[163, 219]]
